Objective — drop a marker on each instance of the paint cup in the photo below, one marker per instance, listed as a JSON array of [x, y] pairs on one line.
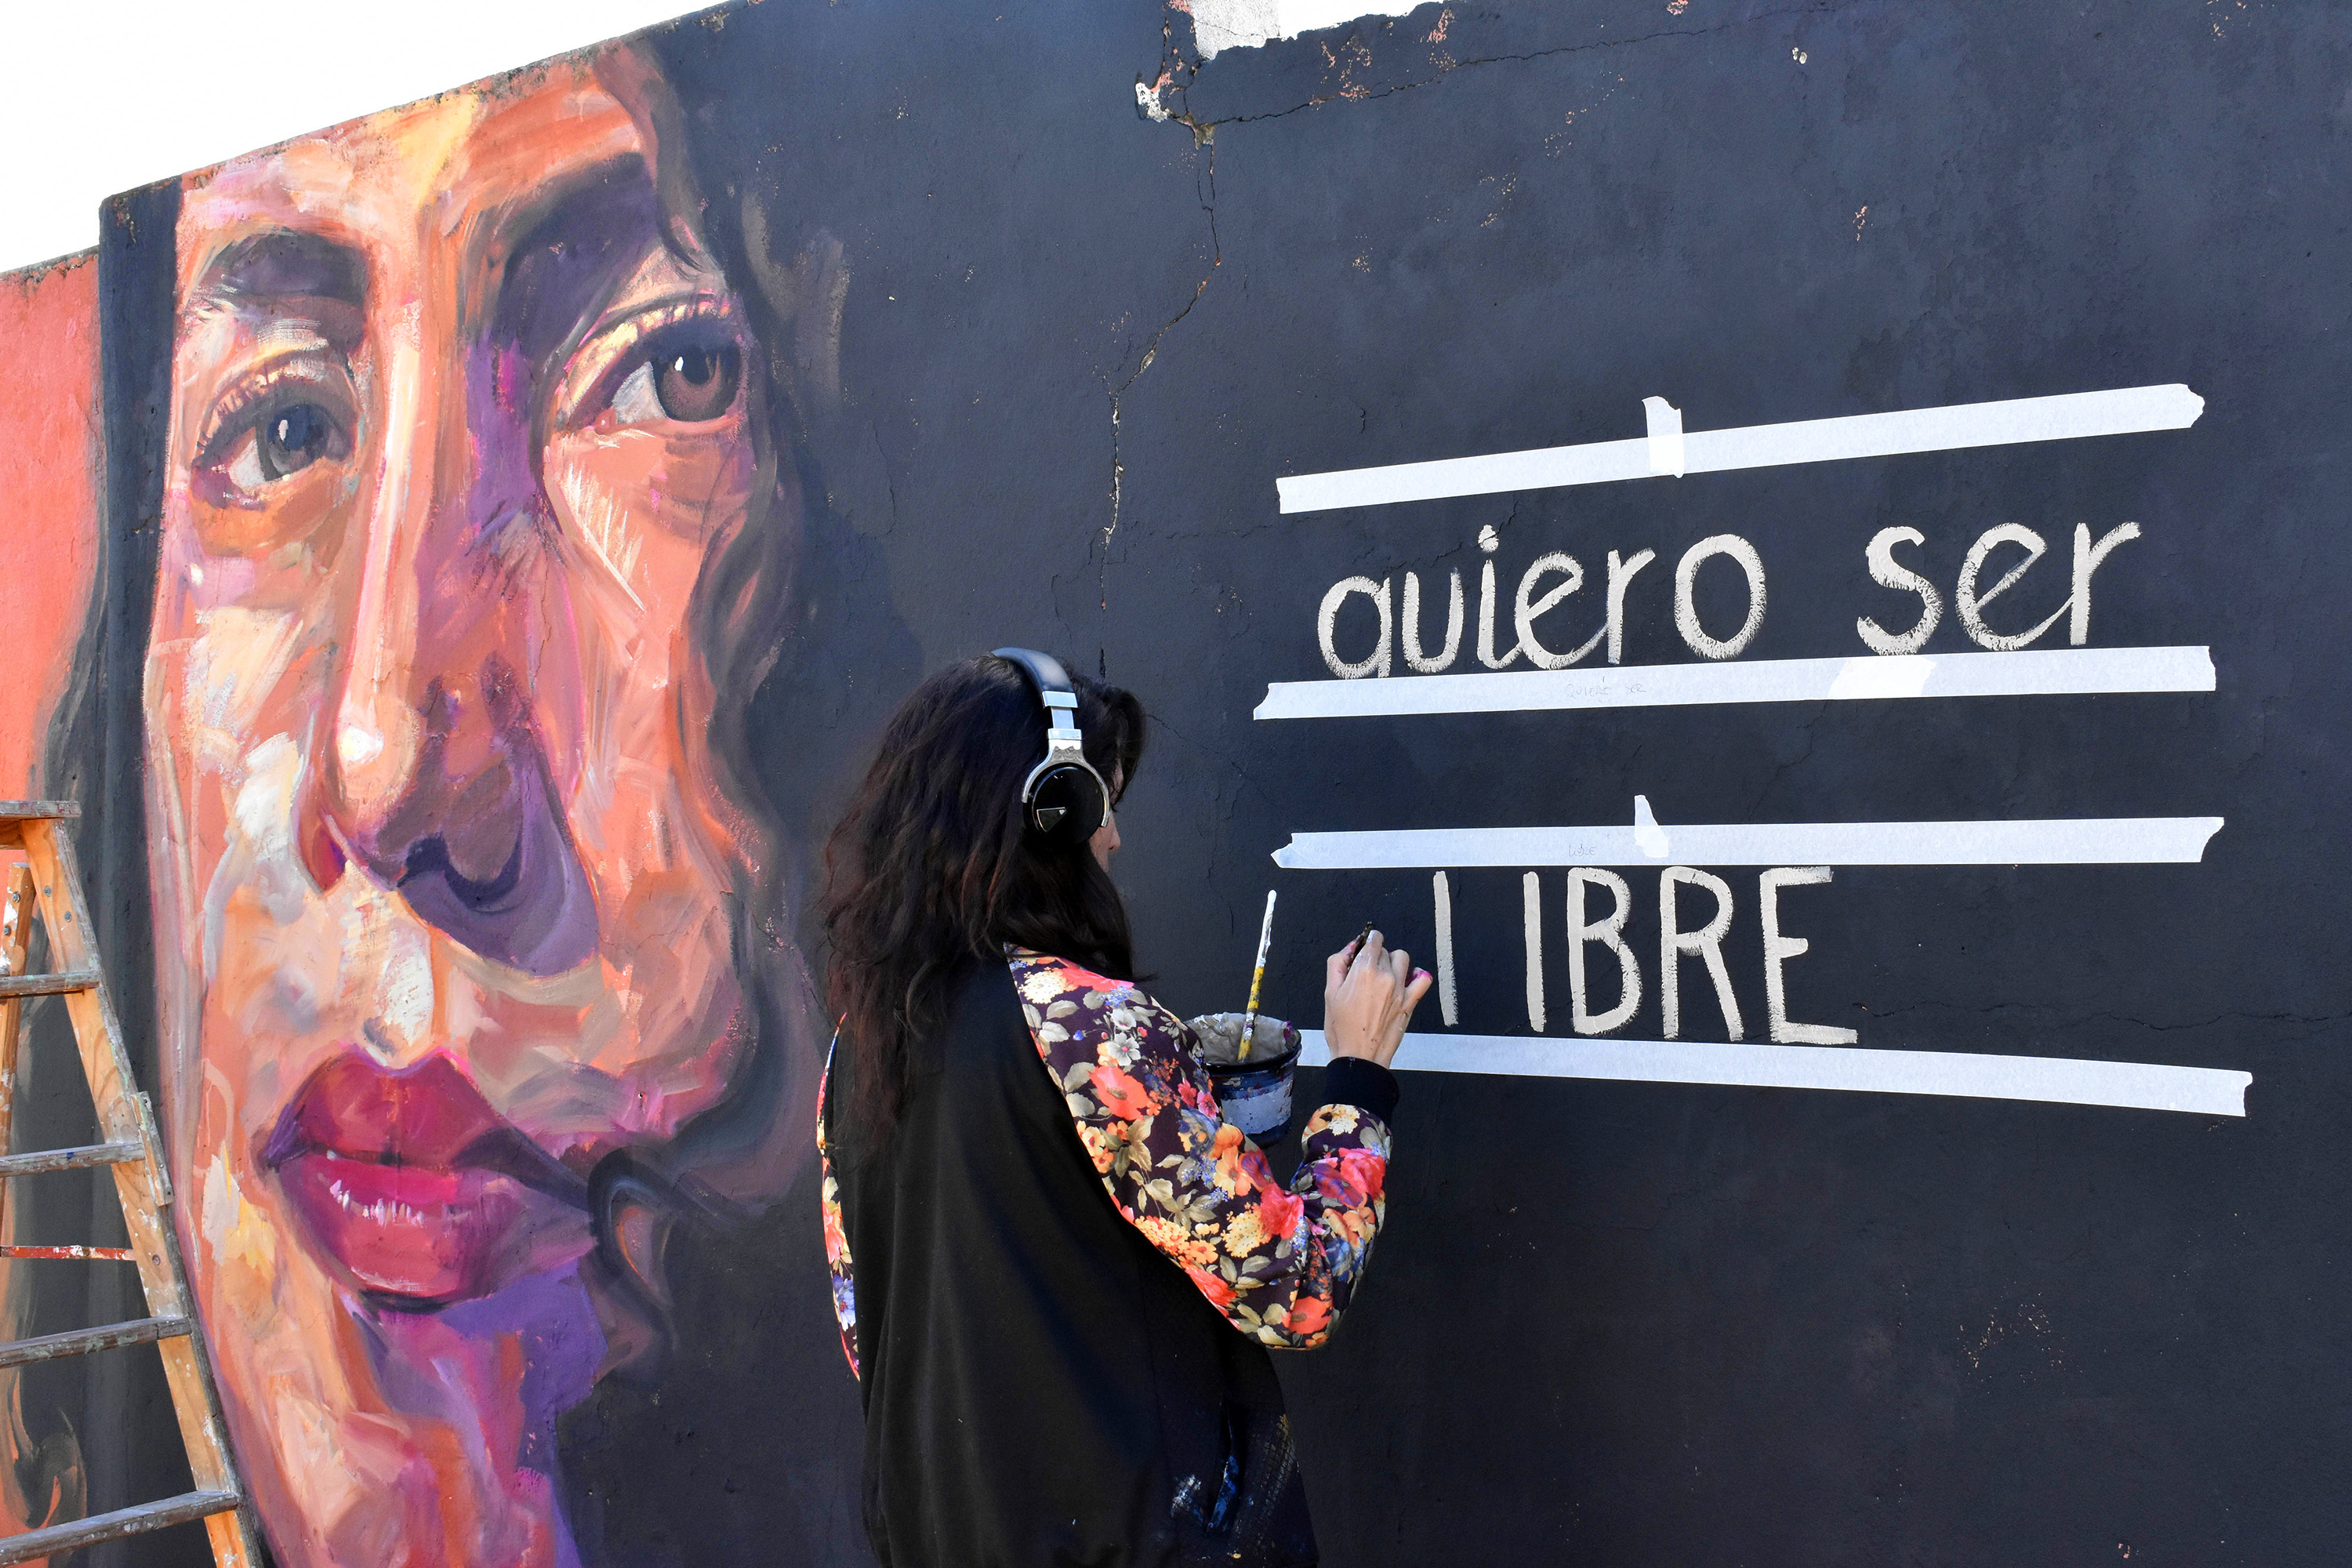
[[1252, 1094]]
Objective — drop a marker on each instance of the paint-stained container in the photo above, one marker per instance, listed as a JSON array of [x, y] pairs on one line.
[[1252, 1092]]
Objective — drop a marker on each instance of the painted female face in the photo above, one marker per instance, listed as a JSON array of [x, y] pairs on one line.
[[444, 880]]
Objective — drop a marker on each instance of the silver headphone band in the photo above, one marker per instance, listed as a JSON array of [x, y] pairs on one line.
[[1065, 743]]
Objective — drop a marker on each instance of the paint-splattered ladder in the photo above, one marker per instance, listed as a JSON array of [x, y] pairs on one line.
[[50, 880]]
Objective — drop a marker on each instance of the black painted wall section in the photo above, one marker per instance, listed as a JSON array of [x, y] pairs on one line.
[[1621, 1323], [129, 1440]]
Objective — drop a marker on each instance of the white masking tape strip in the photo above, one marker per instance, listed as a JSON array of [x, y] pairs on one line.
[[2070, 416], [2035, 672], [2090, 841], [1666, 421], [2137, 1086]]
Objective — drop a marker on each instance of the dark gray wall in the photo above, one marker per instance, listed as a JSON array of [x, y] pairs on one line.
[[1611, 1323]]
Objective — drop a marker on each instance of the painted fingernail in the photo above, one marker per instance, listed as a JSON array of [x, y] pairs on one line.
[[1421, 974]]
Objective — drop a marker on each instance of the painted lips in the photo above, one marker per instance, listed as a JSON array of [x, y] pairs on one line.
[[415, 1184]]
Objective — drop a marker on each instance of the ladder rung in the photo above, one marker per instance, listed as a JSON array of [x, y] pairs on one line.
[[47, 984], [42, 831], [38, 810], [82, 1341], [51, 1539], [69, 1159]]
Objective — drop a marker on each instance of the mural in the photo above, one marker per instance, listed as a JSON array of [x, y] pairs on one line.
[[472, 524], [1788, 550], [479, 528]]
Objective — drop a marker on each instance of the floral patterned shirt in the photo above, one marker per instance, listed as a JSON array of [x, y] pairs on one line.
[[1280, 1262], [836, 1241]]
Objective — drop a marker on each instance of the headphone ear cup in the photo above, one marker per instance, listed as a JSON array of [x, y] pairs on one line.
[[1067, 803]]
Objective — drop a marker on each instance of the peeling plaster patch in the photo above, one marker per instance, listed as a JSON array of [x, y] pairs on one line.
[[1220, 25], [1858, 220], [1504, 186], [2224, 13], [2030, 1323], [1558, 139]]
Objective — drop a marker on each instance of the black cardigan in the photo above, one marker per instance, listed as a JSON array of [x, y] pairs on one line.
[[1042, 1385]]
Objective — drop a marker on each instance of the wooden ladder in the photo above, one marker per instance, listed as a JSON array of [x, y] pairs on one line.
[[127, 1122]]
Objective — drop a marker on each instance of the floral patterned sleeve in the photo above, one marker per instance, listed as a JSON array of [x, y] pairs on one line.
[[836, 1241], [1280, 1263]]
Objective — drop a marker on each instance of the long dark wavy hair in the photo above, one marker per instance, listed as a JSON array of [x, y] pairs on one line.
[[933, 868]]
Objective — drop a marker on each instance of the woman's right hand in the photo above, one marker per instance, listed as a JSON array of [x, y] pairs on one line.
[[1368, 995]]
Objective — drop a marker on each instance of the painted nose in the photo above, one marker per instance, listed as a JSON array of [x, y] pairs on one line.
[[436, 782], [479, 851]]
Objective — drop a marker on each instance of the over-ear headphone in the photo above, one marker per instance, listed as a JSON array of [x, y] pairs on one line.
[[1063, 796]]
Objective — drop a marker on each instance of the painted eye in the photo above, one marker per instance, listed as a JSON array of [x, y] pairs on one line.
[[285, 440], [277, 463], [692, 380], [699, 383], [292, 439]]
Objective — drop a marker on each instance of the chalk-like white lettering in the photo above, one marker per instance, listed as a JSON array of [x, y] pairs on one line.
[[1779, 949], [1444, 896], [1327, 628], [1971, 603], [1531, 906], [2087, 557], [1675, 945], [1610, 932], [1489, 542], [1414, 658], [1527, 607], [1886, 572], [1620, 574], [1686, 609]]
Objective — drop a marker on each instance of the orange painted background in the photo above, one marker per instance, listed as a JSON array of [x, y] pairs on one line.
[[50, 477]]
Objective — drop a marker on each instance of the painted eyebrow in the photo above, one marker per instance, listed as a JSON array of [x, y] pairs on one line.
[[285, 264], [581, 246]]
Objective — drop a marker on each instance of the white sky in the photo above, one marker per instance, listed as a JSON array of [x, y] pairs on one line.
[[107, 94]]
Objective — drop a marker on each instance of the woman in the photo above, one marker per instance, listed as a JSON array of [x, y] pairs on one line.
[[1057, 1269]]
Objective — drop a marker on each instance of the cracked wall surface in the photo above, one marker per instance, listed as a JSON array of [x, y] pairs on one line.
[[1052, 296], [1477, 229]]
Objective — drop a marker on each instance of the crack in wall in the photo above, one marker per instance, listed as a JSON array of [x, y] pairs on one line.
[[1176, 74], [1204, 189], [889, 480]]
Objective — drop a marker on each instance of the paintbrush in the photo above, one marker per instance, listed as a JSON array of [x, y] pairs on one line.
[[1258, 978]]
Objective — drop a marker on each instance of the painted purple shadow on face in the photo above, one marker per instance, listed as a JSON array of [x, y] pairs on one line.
[[559, 277], [537, 911]]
